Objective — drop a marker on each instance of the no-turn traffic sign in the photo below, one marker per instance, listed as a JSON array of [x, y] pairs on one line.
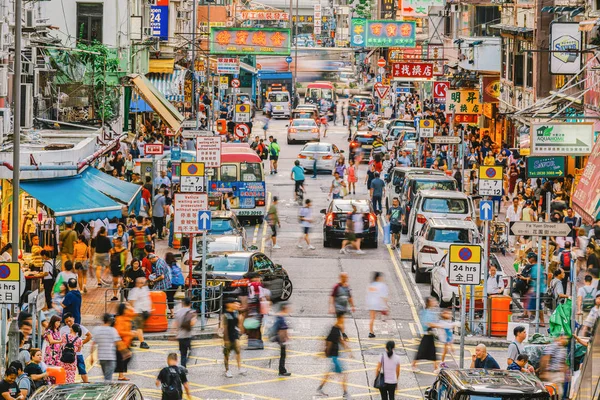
[[381, 62], [241, 130], [235, 83]]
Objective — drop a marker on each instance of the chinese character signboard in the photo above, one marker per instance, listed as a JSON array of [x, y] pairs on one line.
[[552, 138], [586, 198], [244, 41], [264, 15], [411, 54], [465, 264], [391, 34], [463, 101], [159, 21], [412, 70], [386, 9], [186, 207], [228, 65], [358, 33], [435, 54]]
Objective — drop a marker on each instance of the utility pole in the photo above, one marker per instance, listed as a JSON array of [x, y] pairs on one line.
[[194, 29]]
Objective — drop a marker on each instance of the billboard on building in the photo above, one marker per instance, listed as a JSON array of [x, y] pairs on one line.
[[586, 198], [565, 36], [159, 21], [561, 139], [384, 33], [243, 41]]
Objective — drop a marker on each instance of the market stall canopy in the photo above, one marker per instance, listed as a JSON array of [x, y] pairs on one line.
[[586, 198], [161, 66], [85, 197], [167, 112]]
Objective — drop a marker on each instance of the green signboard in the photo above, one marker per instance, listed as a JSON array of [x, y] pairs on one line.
[[245, 41], [545, 167], [383, 33]]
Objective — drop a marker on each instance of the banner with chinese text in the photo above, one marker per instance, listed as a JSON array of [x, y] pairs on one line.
[[412, 70], [463, 101], [241, 41]]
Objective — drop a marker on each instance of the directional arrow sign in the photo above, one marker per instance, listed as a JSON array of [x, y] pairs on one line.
[[445, 139], [486, 210], [524, 228], [204, 220]]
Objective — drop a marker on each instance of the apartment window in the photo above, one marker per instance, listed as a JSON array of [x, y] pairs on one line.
[[89, 21], [510, 56], [485, 16], [503, 56], [529, 68], [519, 69]]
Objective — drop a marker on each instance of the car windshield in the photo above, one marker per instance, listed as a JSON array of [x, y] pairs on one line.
[[317, 147], [410, 136], [347, 207], [221, 226], [437, 185], [365, 139], [447, 206], [224, 264], [303, 114], [448, 235], [217, 245], [279, 97], [410, 145], [251, 172], [404, 123], [367, 100], [304, 122]]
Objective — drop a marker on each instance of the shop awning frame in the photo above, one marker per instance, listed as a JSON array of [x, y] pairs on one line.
[[161, 66], [168, 113]]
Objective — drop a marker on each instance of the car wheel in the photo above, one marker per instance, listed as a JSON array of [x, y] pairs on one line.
[[259, 220], [413, 265], [289, 141], [326, 243], [420, 277], [286, 289]]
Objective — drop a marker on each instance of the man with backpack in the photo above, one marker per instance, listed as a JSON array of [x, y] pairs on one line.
[[24, 382], [172, 380], [586, 296], [555, 292], [564, 260], [185, 319], [274, 151]]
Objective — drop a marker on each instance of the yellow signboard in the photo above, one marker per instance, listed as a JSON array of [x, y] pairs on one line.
[[224, 82], [465, 254], [192, 169], [463, 101], [490, 172]]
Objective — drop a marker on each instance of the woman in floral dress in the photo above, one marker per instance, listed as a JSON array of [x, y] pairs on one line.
[[52, 336], [74, 336]]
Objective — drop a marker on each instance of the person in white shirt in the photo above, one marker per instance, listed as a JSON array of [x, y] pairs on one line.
[[513, 214], [139, 298], [162, 180], [377, 300], [389, 365], [495, 284], [306, 221]]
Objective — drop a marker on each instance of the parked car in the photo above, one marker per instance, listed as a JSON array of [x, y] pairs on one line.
[[226, 223], [231, 269], [481, 384], [362, 144], [303, 130], [438, 204], [334, 223], [396, 179], [435, 239], [396, 135], [96, 391], [356, 100], [215, 243], [326, 154], [446, 293], [408, 123], [412, 186]]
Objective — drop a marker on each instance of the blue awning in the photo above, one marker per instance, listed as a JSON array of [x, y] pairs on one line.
[[138, 104], [84, 197], [170, 85]]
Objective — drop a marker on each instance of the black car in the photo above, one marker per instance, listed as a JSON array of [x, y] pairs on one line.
[[231, 269], [362, 144], [463, 384], [334, 224], [96, 391]]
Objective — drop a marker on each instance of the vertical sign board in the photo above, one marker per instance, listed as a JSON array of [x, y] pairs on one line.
[[464, 265], [159, 19], [426, 128], [208, 151], [192, 177], [10, 282], [490, 180], [565, 36], [186, 207]]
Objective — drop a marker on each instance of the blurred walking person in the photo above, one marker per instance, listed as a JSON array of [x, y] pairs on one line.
[[185, 319], [333, 342], [123, 324], [377, 300], [426, 350]]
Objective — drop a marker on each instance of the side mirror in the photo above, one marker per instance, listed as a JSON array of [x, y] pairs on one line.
[[323, 211]]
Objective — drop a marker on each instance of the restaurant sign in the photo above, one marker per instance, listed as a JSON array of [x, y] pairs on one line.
[[244, 41], [384, 33]]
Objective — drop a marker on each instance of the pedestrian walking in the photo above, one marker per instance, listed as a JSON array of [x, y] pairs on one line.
[[341, 301], [335, 339], [257, 297], [139, 298], [297, 175], [185, 319], [49, 271], [72, 302], [426, 350], [81, 255], [106, 338], [446, 328], [282, 337], [273, 221], [177, 279], [377, 300], [123, 324], [274, 151], [158, 213], [352, 177], [354, 228], [306, 219], [72, 344], [377, 192], [85, 335], [66, 243], [172, 380], [118, 260], [553, 364], [516, 348], [102, 246], [231, 335], [395, 217], [389, 367], [138, 238]]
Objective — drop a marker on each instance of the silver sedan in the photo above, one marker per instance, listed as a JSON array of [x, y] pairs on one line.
[[321, 155], [304, 130]]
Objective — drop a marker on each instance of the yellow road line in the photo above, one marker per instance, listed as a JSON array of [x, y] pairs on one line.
[[255, 236]]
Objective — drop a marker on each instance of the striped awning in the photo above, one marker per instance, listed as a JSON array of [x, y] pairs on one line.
[[172, 86]]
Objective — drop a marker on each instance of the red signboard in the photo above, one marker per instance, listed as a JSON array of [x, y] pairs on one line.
[[490, 89], [153, 149], [396, 54], [439, 91], [412, 70], [463, 118], [264, 15], [586, 198]]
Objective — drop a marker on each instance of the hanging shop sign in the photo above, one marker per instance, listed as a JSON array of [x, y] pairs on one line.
[[463, 101], [562, 139], [245, 41], [159, 21], [545, 167], [435, 54], [490, 89], [440, 89], [396, 54], [228, 65], [382, 33], [418, 70], [264, 15], [565, 36], [586, 197]]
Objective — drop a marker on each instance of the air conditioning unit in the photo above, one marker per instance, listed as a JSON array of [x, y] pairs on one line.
[[5, 125], [30, 19], [3, 82], [454, 8], [151, 2], [27, 105], [146, 31]]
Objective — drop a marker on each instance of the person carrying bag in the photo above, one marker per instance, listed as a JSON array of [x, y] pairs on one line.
[[387, 372]]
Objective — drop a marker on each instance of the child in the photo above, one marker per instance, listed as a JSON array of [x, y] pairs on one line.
[[519, 364], [352, 178], [447, 326]]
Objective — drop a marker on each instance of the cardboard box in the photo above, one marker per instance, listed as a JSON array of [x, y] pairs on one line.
[[406, 251]]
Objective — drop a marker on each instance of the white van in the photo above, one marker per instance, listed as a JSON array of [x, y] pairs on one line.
[[281, 102], [443, 204]]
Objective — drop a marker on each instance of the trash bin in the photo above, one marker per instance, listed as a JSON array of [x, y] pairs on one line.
[[57, 374], [499, 314], [158, 316]]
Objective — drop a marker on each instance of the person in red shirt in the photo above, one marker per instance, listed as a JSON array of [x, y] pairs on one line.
[[146, 263], [377, 164]]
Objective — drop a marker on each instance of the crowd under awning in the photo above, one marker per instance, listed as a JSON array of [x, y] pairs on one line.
[[157, 101], [88, 196]]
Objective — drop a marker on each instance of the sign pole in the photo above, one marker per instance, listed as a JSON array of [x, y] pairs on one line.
[[191, 261], [486, 273], [547, 260], [537, 285], [463, 317], [3, 338], [203, 306], [573, 316]]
